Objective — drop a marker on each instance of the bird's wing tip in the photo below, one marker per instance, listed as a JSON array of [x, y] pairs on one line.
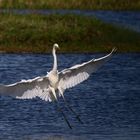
[[114, 50]]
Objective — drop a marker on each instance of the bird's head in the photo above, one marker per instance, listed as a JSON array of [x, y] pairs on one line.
[[56, 46]]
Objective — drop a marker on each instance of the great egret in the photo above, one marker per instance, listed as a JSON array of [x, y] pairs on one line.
[[52, 85]]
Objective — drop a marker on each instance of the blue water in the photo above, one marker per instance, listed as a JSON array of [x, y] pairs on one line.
[[108, 102], [126, 19]]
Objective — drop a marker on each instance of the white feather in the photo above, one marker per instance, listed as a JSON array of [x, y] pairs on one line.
[[72, 76], [43, 86]]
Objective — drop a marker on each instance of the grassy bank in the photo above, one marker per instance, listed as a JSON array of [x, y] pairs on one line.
[[37, 33], [72, 4]]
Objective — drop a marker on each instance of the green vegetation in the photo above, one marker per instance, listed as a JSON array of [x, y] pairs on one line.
[[72, 4], [37, 33]]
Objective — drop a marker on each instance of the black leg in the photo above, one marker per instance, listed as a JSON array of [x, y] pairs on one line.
[[65, 118], [70, 108]]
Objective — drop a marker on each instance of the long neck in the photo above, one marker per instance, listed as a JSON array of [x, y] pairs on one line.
[[55, 60]]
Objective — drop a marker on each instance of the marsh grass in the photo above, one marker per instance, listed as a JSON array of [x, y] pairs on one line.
[[37, 33], [72, 4]]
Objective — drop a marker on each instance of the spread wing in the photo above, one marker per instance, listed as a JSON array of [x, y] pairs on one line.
[[72, 76], [27, 89]]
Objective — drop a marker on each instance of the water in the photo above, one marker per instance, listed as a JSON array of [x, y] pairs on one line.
[[127, 19], [108, 102]]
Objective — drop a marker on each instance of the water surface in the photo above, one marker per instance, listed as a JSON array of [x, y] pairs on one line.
[[108, 102]]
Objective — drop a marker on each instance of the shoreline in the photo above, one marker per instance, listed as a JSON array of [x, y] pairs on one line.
[[74, 33], [59, 52]]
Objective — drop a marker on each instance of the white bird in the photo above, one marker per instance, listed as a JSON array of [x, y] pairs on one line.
[[52, 85]]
